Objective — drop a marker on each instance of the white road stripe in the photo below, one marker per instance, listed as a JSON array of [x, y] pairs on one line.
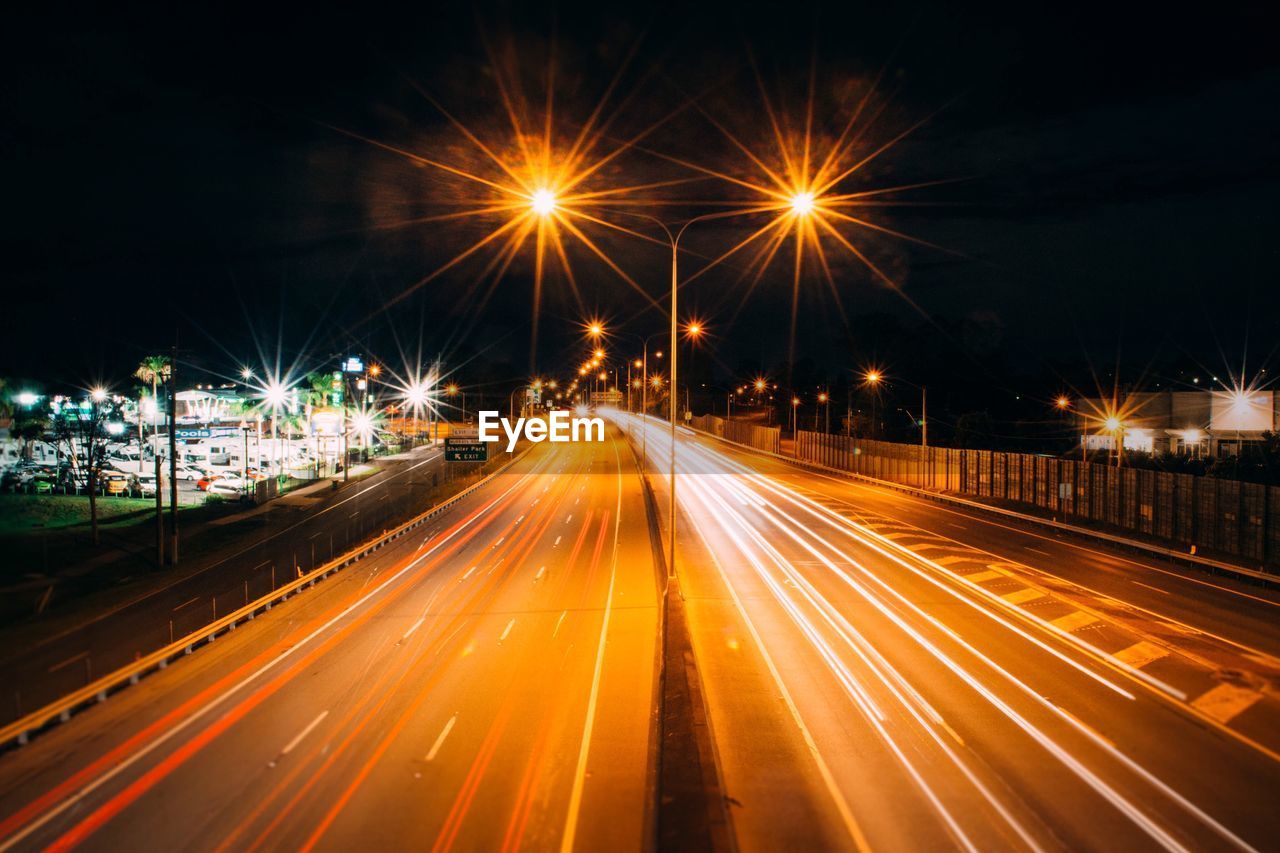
[[415, 627], [559, 621], [297, 739], [542, 571], [469, 571], [557, 542], [507, 630], [444, 733]]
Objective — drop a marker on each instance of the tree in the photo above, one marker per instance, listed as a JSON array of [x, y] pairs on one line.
[[319, 389], [153, 369], [80, 431]]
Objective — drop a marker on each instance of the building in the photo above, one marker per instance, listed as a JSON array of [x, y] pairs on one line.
[[1194, 423]]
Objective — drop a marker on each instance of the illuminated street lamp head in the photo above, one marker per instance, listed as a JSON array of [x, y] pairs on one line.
[[98, 395], [416, 394], [873, 376], [543, 202], [275, 394], [451, 389], [637, 363], [1063, 402], [602, 376], [246, 373], [1112, 424], [802, 204], [795, 401], [595, 329], [695, 329], [822, 398], [599, 353], [760, 384]]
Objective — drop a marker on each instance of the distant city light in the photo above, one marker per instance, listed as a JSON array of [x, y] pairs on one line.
[[28, 398], [98, 395]]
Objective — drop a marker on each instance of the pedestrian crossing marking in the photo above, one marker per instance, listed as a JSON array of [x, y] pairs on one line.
[[1074, 620], [1023, 595], [1141, 653], [1226, 702]]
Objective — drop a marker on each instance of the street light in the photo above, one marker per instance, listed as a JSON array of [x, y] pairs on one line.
[[543, 202], [453, 390], [802, 204], [873, 379]]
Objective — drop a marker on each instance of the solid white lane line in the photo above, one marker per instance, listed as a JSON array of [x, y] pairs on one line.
[[507, 630], [297, 739], [1037, 550], [1152, 588], [444, 733]]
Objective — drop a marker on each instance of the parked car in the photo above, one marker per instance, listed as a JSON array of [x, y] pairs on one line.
[[190, 473], [229, 486], [206, 481], [114, 482], [146, 484]]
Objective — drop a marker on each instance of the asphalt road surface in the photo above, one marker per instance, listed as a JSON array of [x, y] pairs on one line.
[[486, 684], [883, 672], [878, 671]]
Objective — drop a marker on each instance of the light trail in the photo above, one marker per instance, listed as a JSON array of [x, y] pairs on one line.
[[755, 515]]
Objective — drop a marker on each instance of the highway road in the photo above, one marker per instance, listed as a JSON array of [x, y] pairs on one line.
[[64, 650], [487, 683], [884, 672], [878, 671]]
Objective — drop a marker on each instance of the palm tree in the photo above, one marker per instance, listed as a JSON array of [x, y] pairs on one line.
[[153, 369], [320, 388]]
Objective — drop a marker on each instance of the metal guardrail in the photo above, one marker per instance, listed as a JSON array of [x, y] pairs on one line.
[[60, 710], [1208, 563]]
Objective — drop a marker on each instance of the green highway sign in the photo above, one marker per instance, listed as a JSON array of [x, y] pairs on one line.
[[465, 450]]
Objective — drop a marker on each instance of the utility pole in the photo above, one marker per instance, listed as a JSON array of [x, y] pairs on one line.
[[173, 454], [924, 417]]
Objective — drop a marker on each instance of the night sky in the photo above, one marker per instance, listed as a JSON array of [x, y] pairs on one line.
[[186, 175]]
